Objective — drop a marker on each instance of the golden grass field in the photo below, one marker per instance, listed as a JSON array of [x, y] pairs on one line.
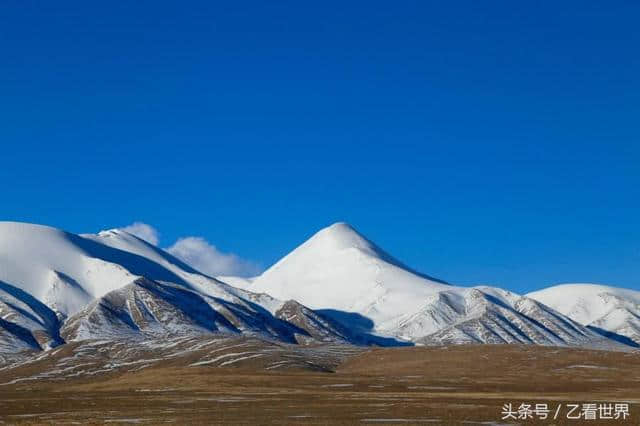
[[419, 385]]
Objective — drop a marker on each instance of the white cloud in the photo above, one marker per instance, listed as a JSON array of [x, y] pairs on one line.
[[144, 231], [198, 253], [206, 258]]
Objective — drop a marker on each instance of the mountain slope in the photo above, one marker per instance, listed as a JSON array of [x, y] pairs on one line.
[[150, 309], [490, 315], [340, 269], [344, 275], [56, 286], [604, 308]]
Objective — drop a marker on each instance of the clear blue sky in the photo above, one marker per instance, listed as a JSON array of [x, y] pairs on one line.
[[480, 142]]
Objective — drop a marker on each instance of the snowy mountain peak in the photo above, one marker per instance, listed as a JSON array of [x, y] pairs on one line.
[[605, 308], [57, 287], [344, 241], [340, 236], [120, 234], [114, 232], [339, 269]]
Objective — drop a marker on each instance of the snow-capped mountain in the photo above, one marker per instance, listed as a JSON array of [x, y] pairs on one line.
[[612, 310], [56, 286], [340, 269], [341, 273]]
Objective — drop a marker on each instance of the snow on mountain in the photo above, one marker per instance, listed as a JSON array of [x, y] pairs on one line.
[[239, 282], [491, 315], [147, 308], [45, 275], [56, 286], [340, 269], [344, 275], [62, 268], [611, 310]]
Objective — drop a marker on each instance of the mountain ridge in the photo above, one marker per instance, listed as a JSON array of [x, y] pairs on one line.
[[612, 311], [52, 279], [343, 273], [338, 286]]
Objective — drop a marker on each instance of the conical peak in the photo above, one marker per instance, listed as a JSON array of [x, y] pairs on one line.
[[340, 236], [338, 228], [333, 240]]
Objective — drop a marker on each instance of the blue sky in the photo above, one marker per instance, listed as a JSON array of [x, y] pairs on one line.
[[481, 143]]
